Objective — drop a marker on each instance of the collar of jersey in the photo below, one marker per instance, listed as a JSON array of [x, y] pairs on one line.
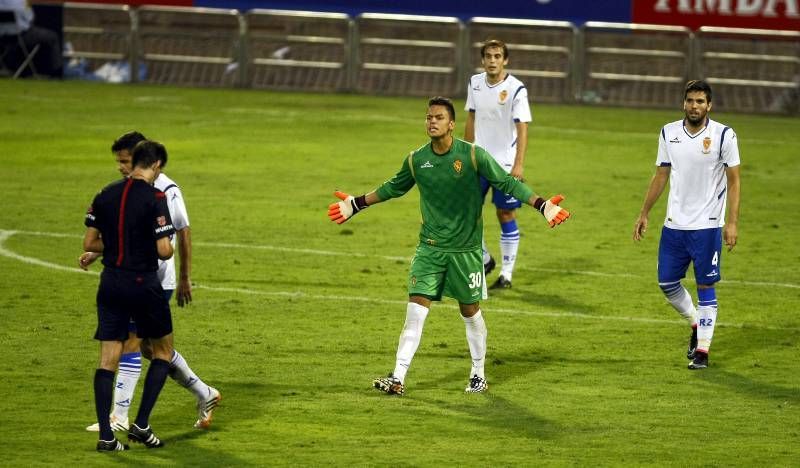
[[683, 126], [486, 79]]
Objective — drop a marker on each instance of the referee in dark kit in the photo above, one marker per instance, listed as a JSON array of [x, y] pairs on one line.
[[129, 223]]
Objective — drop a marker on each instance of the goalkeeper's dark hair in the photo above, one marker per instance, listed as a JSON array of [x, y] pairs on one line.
[[127, 142], [494, 43], [147, 152], [698, 85], [443, 101]]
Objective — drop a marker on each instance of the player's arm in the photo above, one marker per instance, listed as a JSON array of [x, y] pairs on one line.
[[349, 205], [184, 291], [730, 232], [657, 185], [87, 258], [92, 241], [469, 127], [522, 145], [497, 177]]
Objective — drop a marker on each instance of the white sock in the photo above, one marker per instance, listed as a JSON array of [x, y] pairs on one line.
[[680, 299], [409, 338], [183, 374], [130, 368], [509, 244], [486, 255], [476, 337], [707, 318]]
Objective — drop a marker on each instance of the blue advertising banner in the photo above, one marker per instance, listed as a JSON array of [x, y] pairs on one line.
[[576, 11]]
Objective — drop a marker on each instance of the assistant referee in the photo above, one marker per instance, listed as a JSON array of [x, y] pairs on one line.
[[129, 223]]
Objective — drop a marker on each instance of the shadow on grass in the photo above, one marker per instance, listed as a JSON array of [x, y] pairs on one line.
[[746, 385]]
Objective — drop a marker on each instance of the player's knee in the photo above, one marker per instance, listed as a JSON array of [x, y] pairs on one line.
[[670, 288]]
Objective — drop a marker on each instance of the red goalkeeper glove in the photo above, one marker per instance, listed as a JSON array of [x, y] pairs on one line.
[[553, 213], [340, 212]]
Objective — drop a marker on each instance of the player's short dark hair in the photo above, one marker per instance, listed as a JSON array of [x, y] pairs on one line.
[[127, 142], [443, 101], [697, 85], [494, 43], [146, 152]]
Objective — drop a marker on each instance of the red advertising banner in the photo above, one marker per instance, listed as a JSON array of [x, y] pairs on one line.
[[761, 14]]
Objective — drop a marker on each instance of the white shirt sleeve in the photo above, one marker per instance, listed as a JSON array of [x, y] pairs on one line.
[[520, 108], [470, 106], [177, 208], [662, 159], [730, 148]]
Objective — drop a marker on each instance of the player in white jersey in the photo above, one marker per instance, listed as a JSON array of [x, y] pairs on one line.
[[131, 360], [700, 158], [498, 119]]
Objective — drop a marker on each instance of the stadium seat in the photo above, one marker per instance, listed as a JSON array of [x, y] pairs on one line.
[[12, 45]]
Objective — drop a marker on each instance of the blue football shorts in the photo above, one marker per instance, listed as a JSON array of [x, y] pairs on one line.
[[501, 200], [702, 247]]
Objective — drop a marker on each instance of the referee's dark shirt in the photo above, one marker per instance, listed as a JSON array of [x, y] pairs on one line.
[[130, 215]]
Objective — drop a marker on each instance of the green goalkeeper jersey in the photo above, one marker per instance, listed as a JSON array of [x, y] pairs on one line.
[[450, 199]]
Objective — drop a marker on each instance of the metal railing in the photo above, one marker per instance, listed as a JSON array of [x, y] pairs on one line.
[[605, 63], [754, 70], [634, 64]]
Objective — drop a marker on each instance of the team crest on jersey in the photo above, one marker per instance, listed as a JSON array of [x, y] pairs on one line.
[[503, 96], [706, 145], [457, 165], [161, 220]]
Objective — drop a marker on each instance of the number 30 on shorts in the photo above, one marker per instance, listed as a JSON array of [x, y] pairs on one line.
[[475, 280]]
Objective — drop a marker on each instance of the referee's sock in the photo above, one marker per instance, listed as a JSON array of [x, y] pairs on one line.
[[153, 383], [103, 389]]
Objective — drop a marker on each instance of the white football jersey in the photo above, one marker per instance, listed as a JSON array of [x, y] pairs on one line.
[[697, 181], [497, 109], [180, 219]]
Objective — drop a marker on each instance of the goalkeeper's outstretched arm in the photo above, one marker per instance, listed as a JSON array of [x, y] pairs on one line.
[[549, 208], [349, 205]]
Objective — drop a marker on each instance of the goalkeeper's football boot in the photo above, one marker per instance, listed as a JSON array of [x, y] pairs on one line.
[[477, 385], [390, 385], [111, 446], [205, 408], [501, 283], [700, 361], [692, 344], [144, 436], [489, 266], [116, 425]]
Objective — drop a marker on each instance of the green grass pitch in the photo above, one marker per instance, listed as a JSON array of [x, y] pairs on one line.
[[294, 316]]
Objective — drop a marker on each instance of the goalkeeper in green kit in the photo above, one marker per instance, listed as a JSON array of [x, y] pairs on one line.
[[449, 259]]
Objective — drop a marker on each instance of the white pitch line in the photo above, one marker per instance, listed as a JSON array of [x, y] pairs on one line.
[[5, 234], [397, 258]]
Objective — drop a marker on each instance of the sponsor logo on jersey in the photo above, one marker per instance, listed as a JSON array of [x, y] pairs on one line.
[[706, 145], [675, 140], [413, 281], [161, 229], [503, 96], [457, 165], [713, 273], [161, 220], [427, 164]]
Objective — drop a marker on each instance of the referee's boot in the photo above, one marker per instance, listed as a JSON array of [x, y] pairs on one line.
[[501, 283], [111, 446], [144, 436], [700, 361]]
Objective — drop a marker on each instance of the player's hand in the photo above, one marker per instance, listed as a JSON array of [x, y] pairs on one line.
[[86, 259], [730, 234], [184, 292], [640, 228], [516, 172], [553, 213], [340, 212]]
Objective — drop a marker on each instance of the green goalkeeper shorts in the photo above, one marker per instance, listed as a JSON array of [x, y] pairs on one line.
[[459, 275]]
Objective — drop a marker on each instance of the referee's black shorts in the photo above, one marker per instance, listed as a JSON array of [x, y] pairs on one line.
[[123, 295]]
